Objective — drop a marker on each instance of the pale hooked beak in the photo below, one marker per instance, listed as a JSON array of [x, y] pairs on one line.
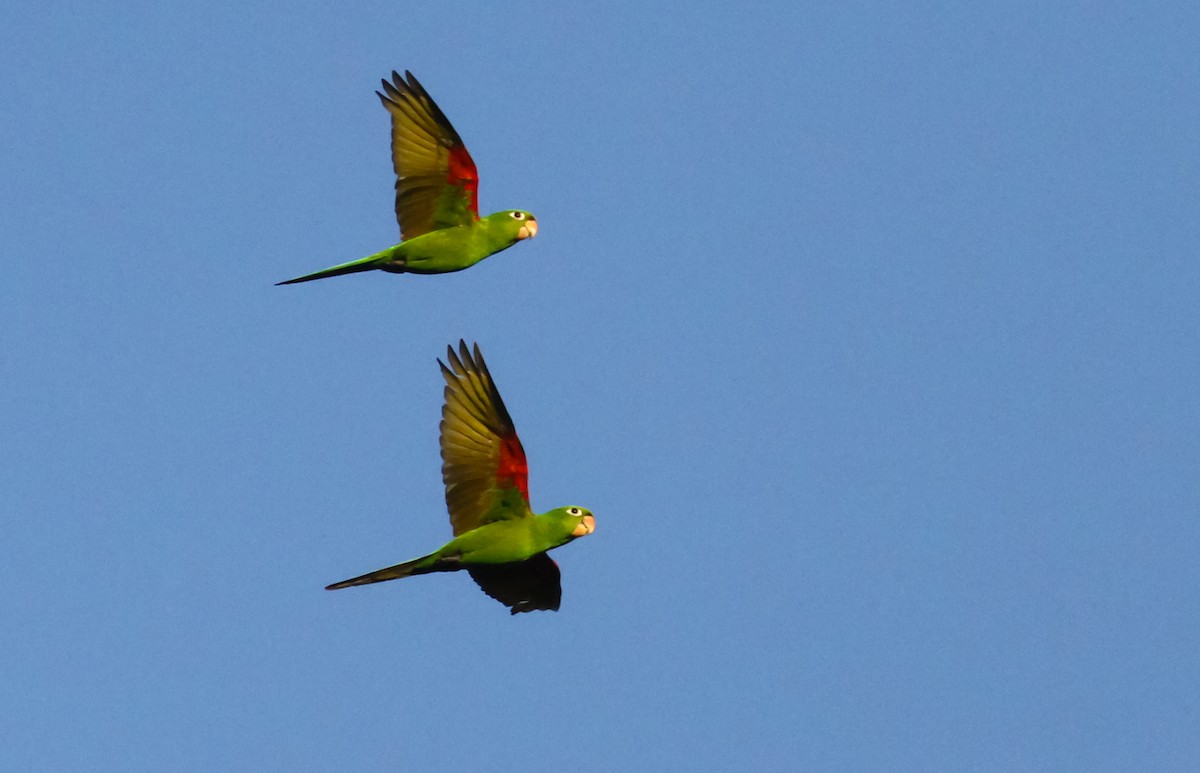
[[585, 526], [529, 230]]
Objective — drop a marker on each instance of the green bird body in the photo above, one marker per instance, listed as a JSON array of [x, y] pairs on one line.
[[502, 542], [498, 539], [442, 251], [437, 195]]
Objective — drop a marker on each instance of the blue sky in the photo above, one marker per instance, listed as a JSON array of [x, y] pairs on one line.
[[870, 335]]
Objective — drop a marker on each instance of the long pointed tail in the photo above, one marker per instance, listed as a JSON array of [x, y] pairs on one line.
[[423, 565], [378, 260]]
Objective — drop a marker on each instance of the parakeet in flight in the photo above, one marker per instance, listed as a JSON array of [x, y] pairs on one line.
[[437, 195], [497, 538]]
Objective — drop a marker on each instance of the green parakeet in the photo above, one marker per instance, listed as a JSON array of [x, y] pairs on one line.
[[497, 538], [437, 195]]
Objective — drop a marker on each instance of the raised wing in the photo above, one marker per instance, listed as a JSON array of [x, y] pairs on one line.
[[483, 463], [436, 182], [522, 587]]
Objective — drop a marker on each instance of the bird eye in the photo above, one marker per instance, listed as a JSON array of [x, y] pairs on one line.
[[517, 215], [574, 511]]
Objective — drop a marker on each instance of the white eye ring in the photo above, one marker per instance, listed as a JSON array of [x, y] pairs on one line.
[[573, 510], [517, 215]]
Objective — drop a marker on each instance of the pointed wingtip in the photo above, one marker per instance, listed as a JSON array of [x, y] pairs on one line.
[[467, 359], [392, 90]]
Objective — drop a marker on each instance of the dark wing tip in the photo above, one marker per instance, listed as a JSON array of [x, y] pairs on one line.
[[394, 90], [409, 89], [463, 362], [398, 88], [472, 359], [465, 354], [415, 84], [455, 364]]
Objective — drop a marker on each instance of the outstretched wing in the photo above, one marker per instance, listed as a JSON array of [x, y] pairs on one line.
[[483, 463], [522, 587], [436, 182]]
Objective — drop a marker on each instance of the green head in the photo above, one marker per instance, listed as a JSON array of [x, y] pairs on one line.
[[576, 521], [515, 224]]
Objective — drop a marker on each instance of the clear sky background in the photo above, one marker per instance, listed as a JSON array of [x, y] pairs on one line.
[[869, 333]]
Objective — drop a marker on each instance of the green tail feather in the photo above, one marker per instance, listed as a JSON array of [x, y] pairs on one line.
[[423, 565], [378, 260]]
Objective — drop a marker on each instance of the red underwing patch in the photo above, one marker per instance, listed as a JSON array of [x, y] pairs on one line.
[[462, 173], [512, 468]]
